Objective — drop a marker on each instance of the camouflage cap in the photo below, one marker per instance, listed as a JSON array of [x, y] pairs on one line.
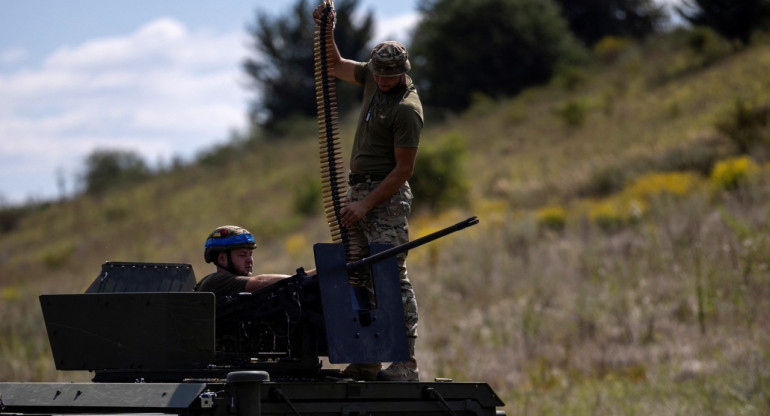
[[389, 59]]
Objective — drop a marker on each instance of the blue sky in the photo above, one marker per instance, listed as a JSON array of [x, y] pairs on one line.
[[161, 78]]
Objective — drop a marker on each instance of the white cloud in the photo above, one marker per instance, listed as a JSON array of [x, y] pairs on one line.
[[155, 41], [396, 28], [162, 91], [13, 56]]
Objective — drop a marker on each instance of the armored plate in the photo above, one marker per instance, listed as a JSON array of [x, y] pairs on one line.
[[130, 330], [356, 334], [143, 277]]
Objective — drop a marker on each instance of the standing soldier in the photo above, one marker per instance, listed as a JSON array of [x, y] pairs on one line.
[[381, 162]]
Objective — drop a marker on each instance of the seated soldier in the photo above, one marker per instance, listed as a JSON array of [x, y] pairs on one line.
[[229, 247]]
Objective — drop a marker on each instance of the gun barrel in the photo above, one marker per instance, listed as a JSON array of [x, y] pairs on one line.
[[410, 245]]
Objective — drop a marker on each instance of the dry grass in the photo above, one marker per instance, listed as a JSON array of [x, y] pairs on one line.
[[591, 323]]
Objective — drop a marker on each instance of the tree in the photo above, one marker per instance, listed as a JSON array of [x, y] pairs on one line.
[[591, 20], [107, 169], [282, 69], [733, 19], [494, 47]]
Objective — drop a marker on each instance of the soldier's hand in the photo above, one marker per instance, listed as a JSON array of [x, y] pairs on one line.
[[318, 14], [352, 213]]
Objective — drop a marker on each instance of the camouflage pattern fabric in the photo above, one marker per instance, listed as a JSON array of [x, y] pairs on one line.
[[387, 223], [389, 59]]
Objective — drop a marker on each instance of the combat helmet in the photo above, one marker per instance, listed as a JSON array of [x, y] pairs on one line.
[[389, 59], [225, 239]]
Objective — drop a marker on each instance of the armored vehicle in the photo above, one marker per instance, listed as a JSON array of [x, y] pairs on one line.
[[155, 346]]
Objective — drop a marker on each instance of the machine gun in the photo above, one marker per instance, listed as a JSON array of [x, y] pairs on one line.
[[285, 327]]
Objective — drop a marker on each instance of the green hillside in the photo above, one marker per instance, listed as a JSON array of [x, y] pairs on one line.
[[620, 266]]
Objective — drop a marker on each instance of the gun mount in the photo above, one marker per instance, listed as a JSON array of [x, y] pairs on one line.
[[156, 347]]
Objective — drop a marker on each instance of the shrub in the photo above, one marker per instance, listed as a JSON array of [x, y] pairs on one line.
[[604, 180], [611, 214], [294, 127], [515, 113], [747, 125], [107, 169], [729, 174], [607, 101], [570, 77], [221, 155], [606, 215], [482, 103], [10, 217], [10, 293], [116, 213], [58, 256], [656, 183], [439, 175], [703, 47], [610, 48], [698, 154], [296, 244], [307, 196], [573, 112], [706, 42], [552, 217]]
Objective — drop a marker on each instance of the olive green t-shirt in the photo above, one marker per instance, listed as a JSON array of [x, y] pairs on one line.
[[222, 284], [387, 120]]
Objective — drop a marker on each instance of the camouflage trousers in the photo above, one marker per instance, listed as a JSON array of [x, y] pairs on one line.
[[387, 223]]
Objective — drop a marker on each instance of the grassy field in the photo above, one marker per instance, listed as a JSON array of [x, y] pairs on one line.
[[620, 266]]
